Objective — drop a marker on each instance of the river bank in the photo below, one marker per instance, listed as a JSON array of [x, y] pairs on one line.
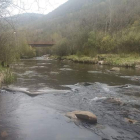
[[105, 59]]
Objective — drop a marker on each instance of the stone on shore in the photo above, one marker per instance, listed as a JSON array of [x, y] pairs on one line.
[[83, 116]]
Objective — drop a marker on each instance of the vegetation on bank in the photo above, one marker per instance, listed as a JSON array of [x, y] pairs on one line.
[[6, 76], [12, 47], [126, 41], [123, 60]]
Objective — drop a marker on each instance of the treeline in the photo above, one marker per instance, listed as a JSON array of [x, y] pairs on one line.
[[96, 26], [13, 46], [13, 43]]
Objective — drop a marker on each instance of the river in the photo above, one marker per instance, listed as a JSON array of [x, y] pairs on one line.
[[34, 106]]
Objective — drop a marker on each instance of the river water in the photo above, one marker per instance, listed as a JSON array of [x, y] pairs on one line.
[[34, 107]]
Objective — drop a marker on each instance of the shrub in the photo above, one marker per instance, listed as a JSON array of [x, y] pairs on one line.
[[8, 77], [129, 42], [62, 48]]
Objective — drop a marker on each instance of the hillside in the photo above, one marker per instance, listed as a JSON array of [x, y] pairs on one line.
[[90, 26], [71, 6], [25, 19]]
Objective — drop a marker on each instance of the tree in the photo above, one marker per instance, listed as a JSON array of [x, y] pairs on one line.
[[4, 4]]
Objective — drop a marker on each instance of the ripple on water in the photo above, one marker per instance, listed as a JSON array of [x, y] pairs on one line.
[[54, 73], [66, 66], [94, 72], [133, 78], [98, 98], [28, 72], [66, 69]]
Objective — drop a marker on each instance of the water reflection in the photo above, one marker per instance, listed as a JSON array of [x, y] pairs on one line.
[[33, 72]]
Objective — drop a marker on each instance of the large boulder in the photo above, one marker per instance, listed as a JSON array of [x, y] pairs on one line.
[[83, 115]]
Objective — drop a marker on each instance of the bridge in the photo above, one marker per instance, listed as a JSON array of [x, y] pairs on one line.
[[42, 44]]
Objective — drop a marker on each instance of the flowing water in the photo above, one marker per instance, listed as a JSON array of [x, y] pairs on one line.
[[34, 107]]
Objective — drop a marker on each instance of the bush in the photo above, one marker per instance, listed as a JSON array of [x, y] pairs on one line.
[[27, 52], [8, 50], [62, 48], [107, 44], [129, 42], [8, 77], [24, 49]]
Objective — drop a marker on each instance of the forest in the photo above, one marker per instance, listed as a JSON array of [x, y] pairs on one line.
[[78, 27], [91, 27]]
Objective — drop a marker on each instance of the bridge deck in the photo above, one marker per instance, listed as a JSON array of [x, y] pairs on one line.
[[49, 44]]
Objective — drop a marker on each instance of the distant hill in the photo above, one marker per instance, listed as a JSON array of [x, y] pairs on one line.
[[69, 7], [86, 23], [25, 19], [63, 16]]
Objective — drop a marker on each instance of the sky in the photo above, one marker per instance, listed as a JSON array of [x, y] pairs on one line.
[[34, 6]]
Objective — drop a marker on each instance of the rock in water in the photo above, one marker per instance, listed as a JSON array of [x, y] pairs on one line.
[[101, 62], [86, 116], [137, 66], [4, 134], [83, 115], [115, 69], [113, 101]]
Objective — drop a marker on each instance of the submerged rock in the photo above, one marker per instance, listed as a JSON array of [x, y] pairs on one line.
[[4, 134], [86, 84], [113, 101], [83, 115], [115, 69]]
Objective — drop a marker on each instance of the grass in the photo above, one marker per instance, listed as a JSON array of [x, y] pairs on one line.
[[75, 58], [6, 76], [81, 59], [9, 77], [122, 60]]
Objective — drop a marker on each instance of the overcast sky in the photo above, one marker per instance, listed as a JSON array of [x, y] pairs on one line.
[[35, 6]]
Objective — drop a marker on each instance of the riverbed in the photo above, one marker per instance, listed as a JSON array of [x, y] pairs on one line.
[[34, 106]]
